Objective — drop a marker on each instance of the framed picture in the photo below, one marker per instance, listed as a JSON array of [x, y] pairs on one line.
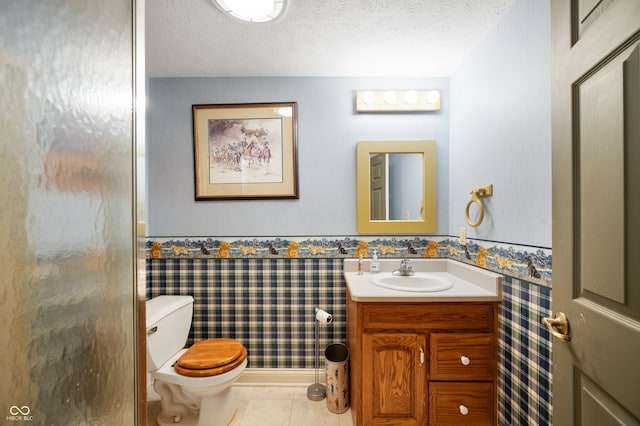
[[245, 151]]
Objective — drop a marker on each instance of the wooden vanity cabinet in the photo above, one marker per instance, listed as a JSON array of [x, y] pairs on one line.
[[423, 363]]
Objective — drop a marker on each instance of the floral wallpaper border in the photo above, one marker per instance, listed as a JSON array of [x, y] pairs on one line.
[[524, 262]]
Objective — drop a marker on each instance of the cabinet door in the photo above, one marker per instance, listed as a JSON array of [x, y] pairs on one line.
[[394, 370]]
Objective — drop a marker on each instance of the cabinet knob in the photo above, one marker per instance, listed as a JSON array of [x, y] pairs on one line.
[[463, 410], [465, 360]]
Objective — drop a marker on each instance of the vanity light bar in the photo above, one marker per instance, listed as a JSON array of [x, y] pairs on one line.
[[397, 100]]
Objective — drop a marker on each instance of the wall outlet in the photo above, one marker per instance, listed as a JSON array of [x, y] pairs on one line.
[[463, 236]]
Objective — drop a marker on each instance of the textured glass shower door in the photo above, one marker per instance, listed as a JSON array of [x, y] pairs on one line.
[[67, 336]]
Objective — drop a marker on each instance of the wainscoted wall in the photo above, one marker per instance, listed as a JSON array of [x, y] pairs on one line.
[[263, 291], [267, 304], [524, 369]]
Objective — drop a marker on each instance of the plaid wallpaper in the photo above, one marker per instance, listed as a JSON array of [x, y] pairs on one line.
[[524, 352], [268, 304]]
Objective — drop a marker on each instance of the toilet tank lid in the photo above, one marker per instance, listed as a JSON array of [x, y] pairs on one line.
[[161, 306]]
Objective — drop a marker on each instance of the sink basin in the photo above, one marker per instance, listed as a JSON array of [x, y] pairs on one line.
[[420, 282]]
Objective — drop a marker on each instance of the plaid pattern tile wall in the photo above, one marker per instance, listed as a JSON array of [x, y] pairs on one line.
[[524, 369], [267, 304]]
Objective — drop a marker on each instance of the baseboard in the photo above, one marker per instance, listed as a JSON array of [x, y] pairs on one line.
[[278, 377]]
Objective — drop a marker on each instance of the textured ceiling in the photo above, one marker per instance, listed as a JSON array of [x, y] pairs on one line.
[[361, 38]]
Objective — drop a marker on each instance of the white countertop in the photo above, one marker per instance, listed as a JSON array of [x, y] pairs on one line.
[[470, 284]]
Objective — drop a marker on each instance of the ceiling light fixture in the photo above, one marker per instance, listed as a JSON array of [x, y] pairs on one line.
[[253, 10]]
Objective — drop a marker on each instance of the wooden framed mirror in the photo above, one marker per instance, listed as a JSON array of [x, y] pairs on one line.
[[396, 187]]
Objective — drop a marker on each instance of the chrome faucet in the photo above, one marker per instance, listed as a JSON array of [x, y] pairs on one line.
[[405, 270]]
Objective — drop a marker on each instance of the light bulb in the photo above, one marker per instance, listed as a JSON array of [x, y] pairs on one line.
[[368, 97], [433, 97], [411, 97], [390, 96]]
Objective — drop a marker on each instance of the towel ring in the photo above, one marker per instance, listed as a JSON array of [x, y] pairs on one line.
[[476, 200], [476, 195]]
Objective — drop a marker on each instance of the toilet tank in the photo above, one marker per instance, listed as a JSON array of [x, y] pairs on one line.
[[168, 324]]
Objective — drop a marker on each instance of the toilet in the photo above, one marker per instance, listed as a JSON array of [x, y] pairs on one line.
[[194, 384]]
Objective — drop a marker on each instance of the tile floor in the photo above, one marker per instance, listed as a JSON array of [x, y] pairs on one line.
[[274, 406]]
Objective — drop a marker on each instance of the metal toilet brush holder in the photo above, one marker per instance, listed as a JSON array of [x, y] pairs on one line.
[[317, 391]]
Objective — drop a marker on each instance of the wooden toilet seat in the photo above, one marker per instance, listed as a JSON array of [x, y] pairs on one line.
[[211, 357]]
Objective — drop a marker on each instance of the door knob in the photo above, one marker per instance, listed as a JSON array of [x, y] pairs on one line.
[[558, 326]]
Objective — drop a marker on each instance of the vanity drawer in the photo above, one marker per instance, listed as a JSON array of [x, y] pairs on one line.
[[430, 316], [460, 403], [462, 356]]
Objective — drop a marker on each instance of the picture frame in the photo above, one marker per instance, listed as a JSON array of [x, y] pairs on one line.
[[245, 151]]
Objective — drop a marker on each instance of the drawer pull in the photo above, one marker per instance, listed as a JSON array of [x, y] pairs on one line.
[[463, 410], [465, 360], [421, 355]]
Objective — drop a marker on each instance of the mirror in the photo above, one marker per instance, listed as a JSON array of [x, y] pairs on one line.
[[396, 186]]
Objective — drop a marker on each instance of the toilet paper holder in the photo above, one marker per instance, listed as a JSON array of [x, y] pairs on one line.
[[323, 317], [317, 391], [476, 197]]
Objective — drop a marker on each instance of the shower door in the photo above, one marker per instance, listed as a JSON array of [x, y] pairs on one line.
[[67, 197]]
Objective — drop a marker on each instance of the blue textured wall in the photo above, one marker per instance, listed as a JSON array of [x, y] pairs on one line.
[[501, 129], [328, 130]]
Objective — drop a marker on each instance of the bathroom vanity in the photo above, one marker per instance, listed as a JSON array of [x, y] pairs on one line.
[[422, 356]]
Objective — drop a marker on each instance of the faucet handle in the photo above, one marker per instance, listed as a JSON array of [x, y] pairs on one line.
[[404, 270]]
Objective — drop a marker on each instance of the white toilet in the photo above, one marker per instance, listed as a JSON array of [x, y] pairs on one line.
[[194, 384]]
